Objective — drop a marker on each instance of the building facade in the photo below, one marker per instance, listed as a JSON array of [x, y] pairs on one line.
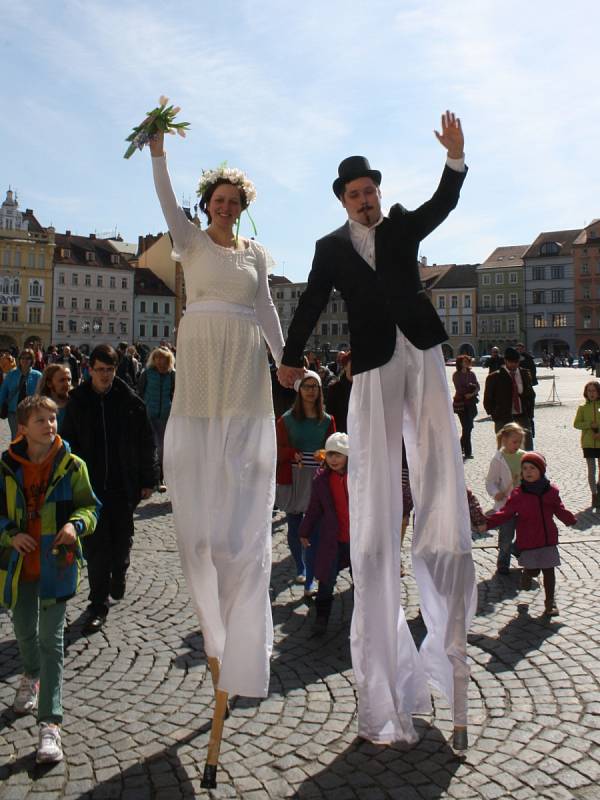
[[550, 293], [454, 296], [93, 292], [153, 309], [154, 253], [500, 299], [586, 281], [26, 253]]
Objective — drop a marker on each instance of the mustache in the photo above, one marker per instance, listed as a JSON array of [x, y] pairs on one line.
[[365, 208]]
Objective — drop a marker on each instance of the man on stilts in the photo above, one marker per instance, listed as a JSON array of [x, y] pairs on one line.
[[399, 390]]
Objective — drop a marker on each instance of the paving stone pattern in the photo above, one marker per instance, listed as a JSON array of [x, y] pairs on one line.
[[138, 695]]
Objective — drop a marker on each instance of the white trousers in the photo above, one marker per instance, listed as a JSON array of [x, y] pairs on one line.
[[407, 397], [221, 478]]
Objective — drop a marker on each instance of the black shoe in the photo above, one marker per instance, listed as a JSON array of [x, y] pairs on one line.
[[502, 570], [94, 623], [117, 587]]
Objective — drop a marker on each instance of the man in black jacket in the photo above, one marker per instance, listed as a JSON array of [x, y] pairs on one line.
[[107, 425], [509, 395], [399, 387]]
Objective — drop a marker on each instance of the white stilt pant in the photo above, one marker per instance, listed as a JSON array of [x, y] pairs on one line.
[[407, 397]]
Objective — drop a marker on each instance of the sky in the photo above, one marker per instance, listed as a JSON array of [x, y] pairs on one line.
[[285, 91]]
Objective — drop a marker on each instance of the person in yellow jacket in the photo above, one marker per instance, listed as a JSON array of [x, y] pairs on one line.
[[587, 420]]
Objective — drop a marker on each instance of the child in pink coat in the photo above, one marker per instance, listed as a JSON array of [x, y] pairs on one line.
[[535, 503]]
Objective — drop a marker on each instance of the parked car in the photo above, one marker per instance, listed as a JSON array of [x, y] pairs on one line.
[[483, 360], [450, 362]]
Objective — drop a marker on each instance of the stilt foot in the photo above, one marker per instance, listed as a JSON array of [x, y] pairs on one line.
[[460, 739], [209, 779]]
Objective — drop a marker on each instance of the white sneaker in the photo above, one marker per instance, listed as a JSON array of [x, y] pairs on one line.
[[49, 749], [26, 698]]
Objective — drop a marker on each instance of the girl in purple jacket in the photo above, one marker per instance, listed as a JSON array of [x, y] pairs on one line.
[[535, 502], [328, 512]]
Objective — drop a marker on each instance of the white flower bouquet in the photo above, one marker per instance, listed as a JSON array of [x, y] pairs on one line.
[[161, 118]]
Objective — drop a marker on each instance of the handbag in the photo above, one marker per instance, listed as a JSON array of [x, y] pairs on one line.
[[458, 403]]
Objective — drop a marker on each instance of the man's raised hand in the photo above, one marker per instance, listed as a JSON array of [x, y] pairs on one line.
[[451, 136]]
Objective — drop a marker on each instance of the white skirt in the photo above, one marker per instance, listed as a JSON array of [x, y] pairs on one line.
[[221, 478]]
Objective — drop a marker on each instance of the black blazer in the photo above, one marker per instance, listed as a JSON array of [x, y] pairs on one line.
[[378, 300]]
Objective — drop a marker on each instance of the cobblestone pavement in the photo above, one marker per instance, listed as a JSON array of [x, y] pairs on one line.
[[138, 695]]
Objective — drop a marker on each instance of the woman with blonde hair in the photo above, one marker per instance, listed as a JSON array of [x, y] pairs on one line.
[[156, 387], [56, 384]]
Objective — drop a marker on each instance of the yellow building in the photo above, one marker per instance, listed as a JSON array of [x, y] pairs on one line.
[[26, 254]]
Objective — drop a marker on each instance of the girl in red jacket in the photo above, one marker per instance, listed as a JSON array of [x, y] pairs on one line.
[[535, 502]]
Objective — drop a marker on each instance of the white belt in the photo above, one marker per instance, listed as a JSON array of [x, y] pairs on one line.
[[221, 307]]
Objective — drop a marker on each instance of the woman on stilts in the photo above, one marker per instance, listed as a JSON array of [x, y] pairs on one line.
[[220, 448]]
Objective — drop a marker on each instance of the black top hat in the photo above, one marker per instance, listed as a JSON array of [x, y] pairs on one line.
[[351, 168]]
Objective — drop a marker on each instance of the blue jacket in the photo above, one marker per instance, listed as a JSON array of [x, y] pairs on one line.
[[156, 390], [10, 387]]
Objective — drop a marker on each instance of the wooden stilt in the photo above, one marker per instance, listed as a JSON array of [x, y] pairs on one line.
[[214, 667], [209, 779]]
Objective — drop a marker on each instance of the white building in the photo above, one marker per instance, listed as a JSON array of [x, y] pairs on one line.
[[154, 309], [93, 292]]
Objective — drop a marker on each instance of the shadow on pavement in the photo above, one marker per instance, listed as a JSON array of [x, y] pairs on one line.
[[150, 510], [365, 770], [495, 590]]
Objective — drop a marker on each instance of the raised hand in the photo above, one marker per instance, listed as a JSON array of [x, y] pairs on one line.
[[156, 144], [451, 136]]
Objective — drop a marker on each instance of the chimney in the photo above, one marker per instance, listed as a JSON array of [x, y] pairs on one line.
[[423, 261], [29, 212], [67, 233], [92, 236], [141, 247]]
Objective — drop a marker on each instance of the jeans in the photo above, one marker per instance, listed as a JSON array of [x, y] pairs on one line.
[[506, 533], [158, 428], [304, 558], [107, 549], [39, 634], [466, 418], [325, 591]]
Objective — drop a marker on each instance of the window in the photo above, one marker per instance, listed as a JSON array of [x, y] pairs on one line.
[[557, 272], [441, 302], [111, 327], [334, 308], [123, 327], [513, 300], [499, 278], [99, 281], [15, 314], [72, 326], [538, 297], [124, 305], [483, 326], [468, 328], [61, 278], [87, 303], [539, 320], [89, 255], [124, 283], [60, 303], [500, 301], [60, 325], [334, 329], [511, 326], [467, 301], [42, 260], [74, 303], [75, 279], [154, 331], [111, 305], [98, 304], [549, 249], [142, 329], [486, 280], [35, 289], [497, 326], [4, 315], [324, 329], [85, 326], [15, 289], [559, 320], [154, 308], [98, 325], [279, 295], [585, 269], [344, 328], [167, 308], [539, 273], [112, 282], [17, 258], [558, 295], [165, 331], [142, 307], [454, 301], [487, 300], [587, 320], [587, 294], [454, 327], [88, 280], [114, 258], [31, 259], [513, 277]]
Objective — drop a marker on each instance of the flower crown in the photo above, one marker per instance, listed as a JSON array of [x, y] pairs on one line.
[[229, 174]]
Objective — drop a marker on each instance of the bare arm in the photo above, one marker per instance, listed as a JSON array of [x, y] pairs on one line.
[[180, 227]]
